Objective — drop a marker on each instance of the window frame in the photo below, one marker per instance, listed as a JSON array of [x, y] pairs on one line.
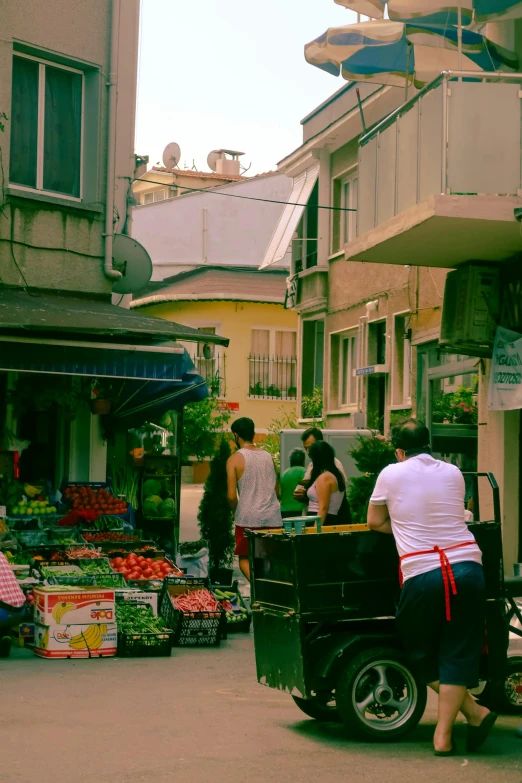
[[43, 63], [406, 385], [272, 358], [349, 175], [346, 374]]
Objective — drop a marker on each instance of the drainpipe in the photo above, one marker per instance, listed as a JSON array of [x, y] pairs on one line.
[[112, 86]]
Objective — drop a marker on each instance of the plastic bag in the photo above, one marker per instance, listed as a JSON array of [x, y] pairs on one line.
[[196, 564], [12, 443]]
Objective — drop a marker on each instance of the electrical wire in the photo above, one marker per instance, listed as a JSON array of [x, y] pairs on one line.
[[215, 192]]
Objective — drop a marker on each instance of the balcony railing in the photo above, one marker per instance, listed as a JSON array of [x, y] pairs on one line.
[[272, 377], [455, 137], [213, 371]]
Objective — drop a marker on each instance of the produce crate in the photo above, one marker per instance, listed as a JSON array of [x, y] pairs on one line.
[[99, 562], [144, 645], [136, 536], [93, 484], [75, 581], [115, 549], [111, 580], [241, 626], [199, 629]]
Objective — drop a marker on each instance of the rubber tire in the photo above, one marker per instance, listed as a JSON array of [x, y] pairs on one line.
[[317, 711], [495, 698], [343, 694]]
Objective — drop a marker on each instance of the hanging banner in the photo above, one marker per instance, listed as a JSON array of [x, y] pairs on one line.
[[505, 382]]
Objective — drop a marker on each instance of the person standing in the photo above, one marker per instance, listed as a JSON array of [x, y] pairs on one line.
[[327, 488], [289, 481], [252, 487], [12, 605], [441, 612], [308, 437]]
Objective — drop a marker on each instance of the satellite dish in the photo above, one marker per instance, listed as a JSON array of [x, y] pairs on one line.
[[212, 159], [171, 155], [132, 260]]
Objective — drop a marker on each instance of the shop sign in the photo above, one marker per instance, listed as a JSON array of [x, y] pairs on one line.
[[505, 383], [229, 407]]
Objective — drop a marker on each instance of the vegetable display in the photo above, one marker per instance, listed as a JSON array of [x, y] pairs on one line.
[[136, 567], [101, 567], [195, 601], [138, 618], [98, 538], [100, 500], [81, 553], [105, 524], [231, 603]]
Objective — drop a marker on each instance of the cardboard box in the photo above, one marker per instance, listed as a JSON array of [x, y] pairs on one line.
[[81, 606], [139, 597], [76, 641]]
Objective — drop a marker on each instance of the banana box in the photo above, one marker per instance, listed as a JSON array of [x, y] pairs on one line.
[[76, 641], [74, 607]]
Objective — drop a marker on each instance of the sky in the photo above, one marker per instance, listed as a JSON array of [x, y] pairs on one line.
[[230, 74]]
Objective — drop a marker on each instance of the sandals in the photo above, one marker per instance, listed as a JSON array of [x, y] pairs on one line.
[[477, 735]]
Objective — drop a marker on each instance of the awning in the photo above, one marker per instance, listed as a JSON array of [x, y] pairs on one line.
[[162, 361], [292, 213], [55, 316]]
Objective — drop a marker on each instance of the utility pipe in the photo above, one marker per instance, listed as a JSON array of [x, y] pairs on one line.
[[112, 88]]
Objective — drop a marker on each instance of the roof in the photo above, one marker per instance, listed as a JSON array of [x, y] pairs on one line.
[[236, 284], [52, 315], [199, 174]]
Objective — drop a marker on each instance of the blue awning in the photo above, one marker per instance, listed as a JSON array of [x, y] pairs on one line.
[[160, 362]]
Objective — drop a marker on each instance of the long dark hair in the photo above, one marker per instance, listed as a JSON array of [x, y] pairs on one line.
[[323, 459]]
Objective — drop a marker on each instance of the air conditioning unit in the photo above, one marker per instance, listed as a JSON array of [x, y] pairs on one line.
[[470, 311]]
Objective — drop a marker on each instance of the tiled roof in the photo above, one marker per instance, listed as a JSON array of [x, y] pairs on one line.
[[218, 283], [198, 174]]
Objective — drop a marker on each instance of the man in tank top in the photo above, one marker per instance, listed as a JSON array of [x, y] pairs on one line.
[[253, 489]]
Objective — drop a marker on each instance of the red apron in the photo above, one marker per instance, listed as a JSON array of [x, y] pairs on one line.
[[445, 566]]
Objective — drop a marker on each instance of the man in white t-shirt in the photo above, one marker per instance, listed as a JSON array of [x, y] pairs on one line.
[[420, 500]]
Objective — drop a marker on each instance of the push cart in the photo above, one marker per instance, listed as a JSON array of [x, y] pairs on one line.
[[323, 607]]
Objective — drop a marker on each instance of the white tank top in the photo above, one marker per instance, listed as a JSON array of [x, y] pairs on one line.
[[336, 498], [258, 505]]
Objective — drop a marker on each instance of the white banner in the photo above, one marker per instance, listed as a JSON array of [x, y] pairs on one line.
[[505, 383]]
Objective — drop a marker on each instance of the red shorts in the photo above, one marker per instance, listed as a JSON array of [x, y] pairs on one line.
[[241, 549]]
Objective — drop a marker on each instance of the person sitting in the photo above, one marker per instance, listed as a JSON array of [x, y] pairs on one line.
[[12, 605], [327, 488], [289, 481]]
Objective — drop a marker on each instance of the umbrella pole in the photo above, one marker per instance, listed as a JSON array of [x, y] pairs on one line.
[[459, 38], [408, 55]]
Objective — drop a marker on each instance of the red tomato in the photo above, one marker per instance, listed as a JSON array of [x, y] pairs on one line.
[[141, 559], [125, 572], [135, 575], [147, 573], [118, 561], [149, 560]]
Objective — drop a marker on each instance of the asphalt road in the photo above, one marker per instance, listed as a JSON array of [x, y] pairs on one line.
[[201, 716]]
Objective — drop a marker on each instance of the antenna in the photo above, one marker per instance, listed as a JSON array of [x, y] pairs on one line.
[[131, 259], [213, 158], [171, 155]]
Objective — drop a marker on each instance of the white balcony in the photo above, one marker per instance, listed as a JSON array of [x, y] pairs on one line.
[[440, 178]]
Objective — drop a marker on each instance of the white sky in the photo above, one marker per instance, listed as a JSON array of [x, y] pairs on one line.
[[232, 74]]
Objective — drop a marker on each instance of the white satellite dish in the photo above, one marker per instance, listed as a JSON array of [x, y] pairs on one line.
[[212, 159], [131, 259], [171, 155]]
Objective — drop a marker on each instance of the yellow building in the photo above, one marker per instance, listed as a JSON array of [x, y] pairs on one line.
[[256, 375]]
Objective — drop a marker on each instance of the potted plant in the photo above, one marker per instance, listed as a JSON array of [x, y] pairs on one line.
[[102, 393], [371, 455], [215, 518]]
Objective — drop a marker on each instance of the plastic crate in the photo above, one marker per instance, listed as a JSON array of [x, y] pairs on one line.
[[144, 645], [243, 626], [197, 629], [111, 580], [94, 484], [75, 581]]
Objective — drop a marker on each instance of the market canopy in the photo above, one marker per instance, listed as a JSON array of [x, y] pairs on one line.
[[438, 11], [55, 316]]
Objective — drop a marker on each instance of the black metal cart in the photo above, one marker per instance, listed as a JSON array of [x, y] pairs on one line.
[[323, 606]]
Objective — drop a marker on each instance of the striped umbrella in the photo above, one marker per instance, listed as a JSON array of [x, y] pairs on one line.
[[438, 11], [399, 53]]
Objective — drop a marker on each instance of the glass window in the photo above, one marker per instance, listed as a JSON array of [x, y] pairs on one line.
[[313, 357], [344, 221], [348, 364], [148, 198], [46, 133], [401, 370]]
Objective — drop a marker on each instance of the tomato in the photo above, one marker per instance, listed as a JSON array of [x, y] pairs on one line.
[[125, 572], [149, 560], [147, 573], [118, 561], [135, 575]]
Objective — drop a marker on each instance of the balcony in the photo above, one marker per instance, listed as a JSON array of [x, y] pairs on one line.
[[439, 178], [213, 371], [272, 378]]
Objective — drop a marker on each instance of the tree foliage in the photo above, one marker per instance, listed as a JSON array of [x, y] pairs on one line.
[[202, 423], [371, 455], [215, 516]]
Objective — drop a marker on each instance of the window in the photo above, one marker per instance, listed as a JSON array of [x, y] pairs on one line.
[[401, 371], [155, 195], [312, 364], [377, 342], [344, 223], [304, 247], [210, 362], [46, 131], [347, 367], [273, 364]]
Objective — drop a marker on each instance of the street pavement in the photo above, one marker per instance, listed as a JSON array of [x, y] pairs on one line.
[[201, 716]]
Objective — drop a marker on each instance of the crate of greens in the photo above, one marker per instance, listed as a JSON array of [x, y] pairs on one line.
[[190, 609], [238, 617], [140, 633]]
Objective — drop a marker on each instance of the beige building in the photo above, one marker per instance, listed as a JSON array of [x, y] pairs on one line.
[[160, 183], [433, 186]]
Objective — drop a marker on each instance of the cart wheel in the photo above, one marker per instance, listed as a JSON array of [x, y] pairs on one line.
[[507, 700], [378, 697], [321, 707]]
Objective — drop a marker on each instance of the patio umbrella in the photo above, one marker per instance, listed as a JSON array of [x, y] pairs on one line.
[[399, 53], [438, 11]]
